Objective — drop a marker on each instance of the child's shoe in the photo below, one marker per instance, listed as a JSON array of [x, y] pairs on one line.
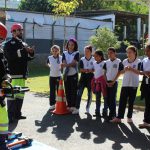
[[104, 114], [129, 120], [97, 114], [144, 125], [75, 112], [115, 120], [72, 109], [52, 107]]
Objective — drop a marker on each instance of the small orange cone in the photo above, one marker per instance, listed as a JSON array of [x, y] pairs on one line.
[[60, 106]]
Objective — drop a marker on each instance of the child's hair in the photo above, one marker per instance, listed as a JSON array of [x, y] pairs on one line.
[[56, 47], [100, 53], [89, 47], [75, 44], [147, 46], [111, 49], [134, 49]]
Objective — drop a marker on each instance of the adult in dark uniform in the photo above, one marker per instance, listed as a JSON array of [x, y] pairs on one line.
[[18, 53]]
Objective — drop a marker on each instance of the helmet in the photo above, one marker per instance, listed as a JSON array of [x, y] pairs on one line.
[[3, 31], [16, 26]]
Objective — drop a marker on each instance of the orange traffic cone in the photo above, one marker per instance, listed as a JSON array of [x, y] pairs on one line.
[[60, 106]]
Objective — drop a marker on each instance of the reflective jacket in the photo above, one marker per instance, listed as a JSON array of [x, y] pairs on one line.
[[3, 76]]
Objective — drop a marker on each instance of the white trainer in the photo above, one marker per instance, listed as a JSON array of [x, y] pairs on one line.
[[52, 107], [72, 109], [75, 112]]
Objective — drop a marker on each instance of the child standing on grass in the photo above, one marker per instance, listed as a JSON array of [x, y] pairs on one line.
[[54, 62], [86, 69], [112, 66], [98, 82], [129, 84], [146, 87], [70, 65]]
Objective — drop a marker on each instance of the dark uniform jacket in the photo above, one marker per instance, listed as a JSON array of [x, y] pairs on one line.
[[17, 56], [4, 71]]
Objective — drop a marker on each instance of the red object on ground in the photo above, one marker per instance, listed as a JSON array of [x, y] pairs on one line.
[[60, 106]]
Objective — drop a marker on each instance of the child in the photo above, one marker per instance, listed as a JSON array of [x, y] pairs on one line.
[[70, 65], [146, 87], [112, 66], [54, 62], [86, 69], [98, 82], [129, 84]]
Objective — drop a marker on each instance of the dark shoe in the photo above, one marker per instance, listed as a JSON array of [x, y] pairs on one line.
[[21, 117], [104, 114], [144, 125]]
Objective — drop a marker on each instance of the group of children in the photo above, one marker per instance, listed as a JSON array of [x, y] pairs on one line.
[[100, 76]]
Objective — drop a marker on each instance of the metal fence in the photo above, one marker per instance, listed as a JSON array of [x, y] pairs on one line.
[[43, 37]]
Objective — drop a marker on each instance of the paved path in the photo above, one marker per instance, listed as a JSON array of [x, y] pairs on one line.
[[82, 132]]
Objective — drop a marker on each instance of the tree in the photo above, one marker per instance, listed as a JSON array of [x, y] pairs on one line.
[[61, 8], [104, 38], [36, 5], [120, 5]]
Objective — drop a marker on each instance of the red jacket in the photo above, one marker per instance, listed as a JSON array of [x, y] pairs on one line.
[[99, 85]]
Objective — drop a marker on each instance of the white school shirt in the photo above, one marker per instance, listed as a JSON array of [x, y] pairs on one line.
[[69, 57], [98, 69], [55, 66], [112, 68], [146, 64], [87, 64], [130, 79]]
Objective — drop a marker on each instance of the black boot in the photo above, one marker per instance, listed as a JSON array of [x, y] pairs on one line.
[[105, 113]]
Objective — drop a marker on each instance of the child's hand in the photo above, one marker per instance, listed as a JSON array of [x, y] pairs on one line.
[[110, 84], [146, 73], [127, 68], [90, 70], [87, 70], [64, 65]]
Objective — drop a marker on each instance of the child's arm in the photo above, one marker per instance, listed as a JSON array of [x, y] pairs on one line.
[[82, 70], [48, 63], [74, 62], [64, 63], [105, 70], [144, 73], [136, 71], [121, 70]]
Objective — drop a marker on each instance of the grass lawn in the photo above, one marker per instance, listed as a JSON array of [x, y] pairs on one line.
[[40, 84]]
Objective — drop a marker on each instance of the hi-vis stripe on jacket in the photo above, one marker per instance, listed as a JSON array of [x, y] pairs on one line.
[[3, 120]]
